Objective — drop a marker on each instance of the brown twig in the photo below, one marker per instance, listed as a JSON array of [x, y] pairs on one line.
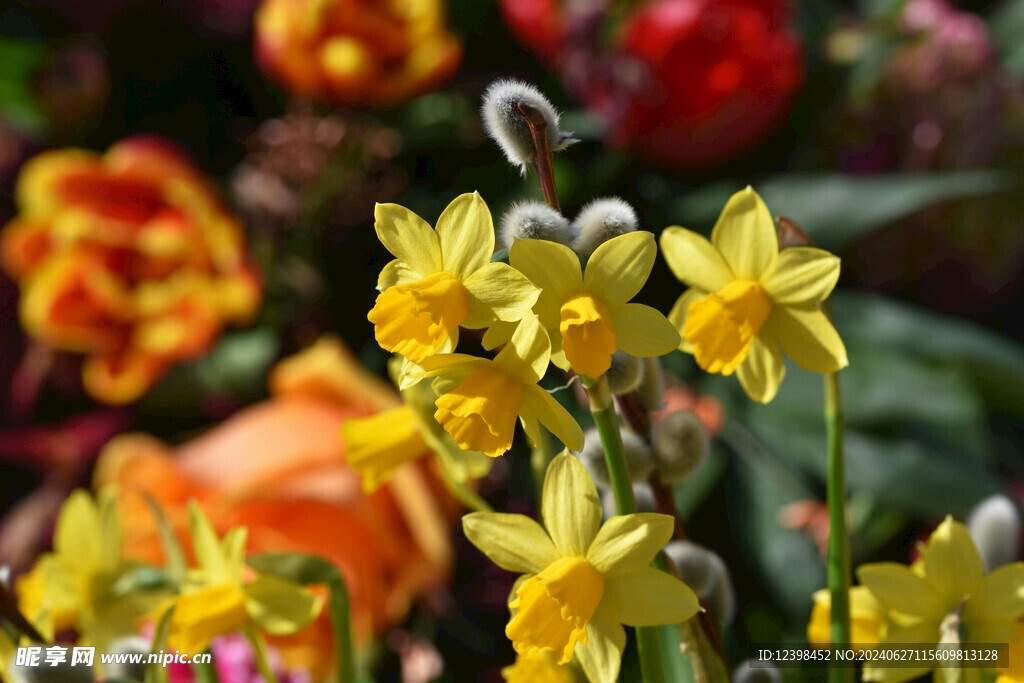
[[543, 158]]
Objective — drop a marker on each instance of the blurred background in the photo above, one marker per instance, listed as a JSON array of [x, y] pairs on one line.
[[890, 131]]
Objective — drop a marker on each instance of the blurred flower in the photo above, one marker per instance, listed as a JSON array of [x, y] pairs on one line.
[[75, 584], [581, 580], [215, 600], [587, 314], [946, 598], [538, 667], [867, 616], [539, 24], [378, 444], [441, 280], [278, 468], [355, 54], [1014, 673], [128, 258], [705, 406], [748, 301], [480, 399]]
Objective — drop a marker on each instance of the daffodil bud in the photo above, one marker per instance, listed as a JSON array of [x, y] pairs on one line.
[[506, 125], [764, 672], [533, 220], [680, 445], [601, 220], [995, 526], [123, 671], [706, 574], [639, 460], [652, 386], [625, 374], [642, 494]]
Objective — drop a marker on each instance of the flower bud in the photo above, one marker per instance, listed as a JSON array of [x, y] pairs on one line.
[[995, 526], [533, 220], [639, 459], [652, 386], [134, 671], [506, 125], [601, 220], [625, 374], [680, 445], [764, 672], [642, 494], [706, 574]]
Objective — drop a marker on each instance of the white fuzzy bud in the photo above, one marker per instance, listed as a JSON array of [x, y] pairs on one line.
[[680, 445], [625, 373], [505, 124], [995, 526], [533, 220], [639, 459], [706, 574], [761, 672], [601, 220], [652, 386], [642, 494]]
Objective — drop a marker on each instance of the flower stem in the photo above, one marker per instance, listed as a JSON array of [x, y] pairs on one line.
[[838, 554], [602, 407], [260, 653], [205, 672], [543, 159]]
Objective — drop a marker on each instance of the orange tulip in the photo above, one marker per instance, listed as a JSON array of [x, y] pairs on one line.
[[356, 53], [128, 258], [279, 469]]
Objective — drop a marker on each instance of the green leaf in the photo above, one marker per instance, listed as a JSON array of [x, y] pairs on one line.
[[139, 580], [155, 673], [177, 565], [309, 569], [836, 209]]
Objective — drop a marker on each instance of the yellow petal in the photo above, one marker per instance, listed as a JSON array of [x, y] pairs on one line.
[[206, 546], [762, 371], [923, 633], [539, 405], [745, 235], [723, 325], [78, 531], [900, 589], [480, 413], [466, 235], [588, 334], [498, 333], [648, 597], [819, 627], [553, 267], [537, 667], [801, 275], [601, 655], [408, 237], [377, 445], [626, 543], [681, 312], [513, 542], [497, 291], [694, 260], [233, 551], [807, 336], [445, 364], [643, 331], [202, 616], [951, 562], [281, 607], [396, 272], [619, 268], [1000, 596], [527, 353], [110, 528], [570, 506], [417, 318]]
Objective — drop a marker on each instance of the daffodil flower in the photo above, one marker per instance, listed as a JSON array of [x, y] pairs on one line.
[[479, 399], [866, 618], [945, 597], [581, 580], [1014, 673], [442, 279], [379, 444], [215, 600], [587, 314], [75, 584], [538, 667], [748, 302]]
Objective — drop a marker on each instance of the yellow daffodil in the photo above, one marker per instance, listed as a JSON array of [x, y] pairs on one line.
[[75, 585], [479, 399], [1014, 673], [581, 580], [538, 667], [377, 445], [587, 314], [946, 598], [442, 279], [748, 302], [866, 618], [215, 600]]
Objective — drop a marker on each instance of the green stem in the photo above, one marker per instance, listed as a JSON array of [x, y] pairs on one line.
[[838, 555], [540, 458], [205, 671], [602, 407], [464, 493], [262, 656]]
